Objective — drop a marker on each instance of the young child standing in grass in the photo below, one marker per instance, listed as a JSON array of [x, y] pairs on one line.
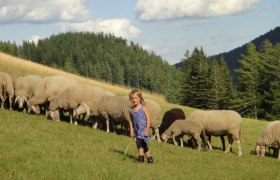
[[140, 125]]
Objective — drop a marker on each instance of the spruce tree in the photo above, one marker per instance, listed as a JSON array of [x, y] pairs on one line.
[[248, 77]]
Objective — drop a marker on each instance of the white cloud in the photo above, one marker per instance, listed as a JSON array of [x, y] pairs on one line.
[[119, 27], [149, 10], [35, 39], [43, 11]]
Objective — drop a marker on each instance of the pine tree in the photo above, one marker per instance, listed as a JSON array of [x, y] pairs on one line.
[[248, 77]]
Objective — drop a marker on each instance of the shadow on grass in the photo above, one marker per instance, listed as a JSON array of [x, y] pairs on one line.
[[124, 156]]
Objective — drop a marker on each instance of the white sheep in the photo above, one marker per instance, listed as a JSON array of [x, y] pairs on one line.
[[24, 89], [6, 89], [186, 127], [270, 138], [71, 97], [47, 89], [220, 123], [117, 108]]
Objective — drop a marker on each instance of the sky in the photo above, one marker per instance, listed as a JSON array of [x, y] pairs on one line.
[[166, 27]]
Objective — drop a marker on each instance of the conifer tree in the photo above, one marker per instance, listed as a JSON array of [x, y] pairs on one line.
[[248, 77]]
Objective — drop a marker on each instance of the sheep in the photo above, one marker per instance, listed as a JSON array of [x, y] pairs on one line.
[[220, 123], [169, 117], [117, 108], [89, 107], [24, 89], [70, 98], [47, 89], [186, 127], [270, 138], [6, 89]]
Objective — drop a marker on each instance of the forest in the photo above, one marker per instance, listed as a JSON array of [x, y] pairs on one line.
[[201, 82]]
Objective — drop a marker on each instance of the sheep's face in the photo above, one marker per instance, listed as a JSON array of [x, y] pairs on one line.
[[20, 101], [260, 150], [164, 137], [82, 109], [54, 115], [35, 109]]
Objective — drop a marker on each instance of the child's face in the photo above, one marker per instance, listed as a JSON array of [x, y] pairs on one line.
[[135, 99]]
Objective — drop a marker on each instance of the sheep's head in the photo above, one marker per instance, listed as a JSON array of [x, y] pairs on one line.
[[20, 101], [164, 137], [35, 109], [260, 150], [83, 108], [54, 115]]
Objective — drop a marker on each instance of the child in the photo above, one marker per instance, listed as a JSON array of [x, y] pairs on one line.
[[140, 125]]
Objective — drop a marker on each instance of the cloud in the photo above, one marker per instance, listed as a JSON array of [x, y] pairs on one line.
[[119, 27], [150, 10], [35, 39], [43, 11]]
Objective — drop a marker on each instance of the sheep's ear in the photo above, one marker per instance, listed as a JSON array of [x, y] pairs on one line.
[[25, 99], [16, 99]]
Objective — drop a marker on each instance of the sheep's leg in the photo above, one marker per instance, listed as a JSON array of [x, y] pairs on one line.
[[278, 154], [198, 140], [175, 134], [239, 147], [10, 101], [230, 140], [104, 114], [223, 143]]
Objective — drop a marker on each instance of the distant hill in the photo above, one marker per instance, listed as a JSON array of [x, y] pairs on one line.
[[232, 57]]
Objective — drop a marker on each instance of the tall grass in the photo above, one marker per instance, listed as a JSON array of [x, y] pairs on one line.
[[33, 147]]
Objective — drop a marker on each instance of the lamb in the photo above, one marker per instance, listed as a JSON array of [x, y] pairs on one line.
[[47, 89], [186, 127], [24, 89], [220, 123], [73, 96], [270, 138], [169, 117], [117, 108], [6, 89]]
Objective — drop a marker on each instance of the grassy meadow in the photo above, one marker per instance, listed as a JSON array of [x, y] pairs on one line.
[[33, 147]]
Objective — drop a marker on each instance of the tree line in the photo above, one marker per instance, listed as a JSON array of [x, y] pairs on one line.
[[201, 82]]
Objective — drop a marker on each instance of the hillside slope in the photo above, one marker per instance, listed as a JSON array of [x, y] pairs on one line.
[[33, 147]]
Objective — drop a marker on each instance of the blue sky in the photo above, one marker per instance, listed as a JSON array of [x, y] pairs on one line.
[[167, 27]]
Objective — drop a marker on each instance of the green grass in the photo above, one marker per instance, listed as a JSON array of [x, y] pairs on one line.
[[33, 147]]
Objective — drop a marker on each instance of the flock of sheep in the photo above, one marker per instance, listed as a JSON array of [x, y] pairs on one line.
[[57, 94]]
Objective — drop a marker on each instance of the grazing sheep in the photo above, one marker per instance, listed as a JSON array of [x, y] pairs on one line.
[[270, 138], [117, 108], [24, 89], [169, 117], [6, 89], [186, 127], [70, 98], [90, 106], [220, 123], [47, 89]]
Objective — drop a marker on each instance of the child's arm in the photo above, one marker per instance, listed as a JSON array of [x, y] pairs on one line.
[[131, 127], [146, 133]]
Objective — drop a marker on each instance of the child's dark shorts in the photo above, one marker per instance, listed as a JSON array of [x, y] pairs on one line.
[[142, 144]]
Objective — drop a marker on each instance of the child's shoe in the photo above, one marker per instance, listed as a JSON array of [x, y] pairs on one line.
[[150, 160], [140, 159]]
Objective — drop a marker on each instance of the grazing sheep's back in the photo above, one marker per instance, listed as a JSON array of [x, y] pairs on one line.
[[7, 82], [218, 122], [169, 117], [49, 88], [184, 126], [271, 135], [75, 95], [25, 85]]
